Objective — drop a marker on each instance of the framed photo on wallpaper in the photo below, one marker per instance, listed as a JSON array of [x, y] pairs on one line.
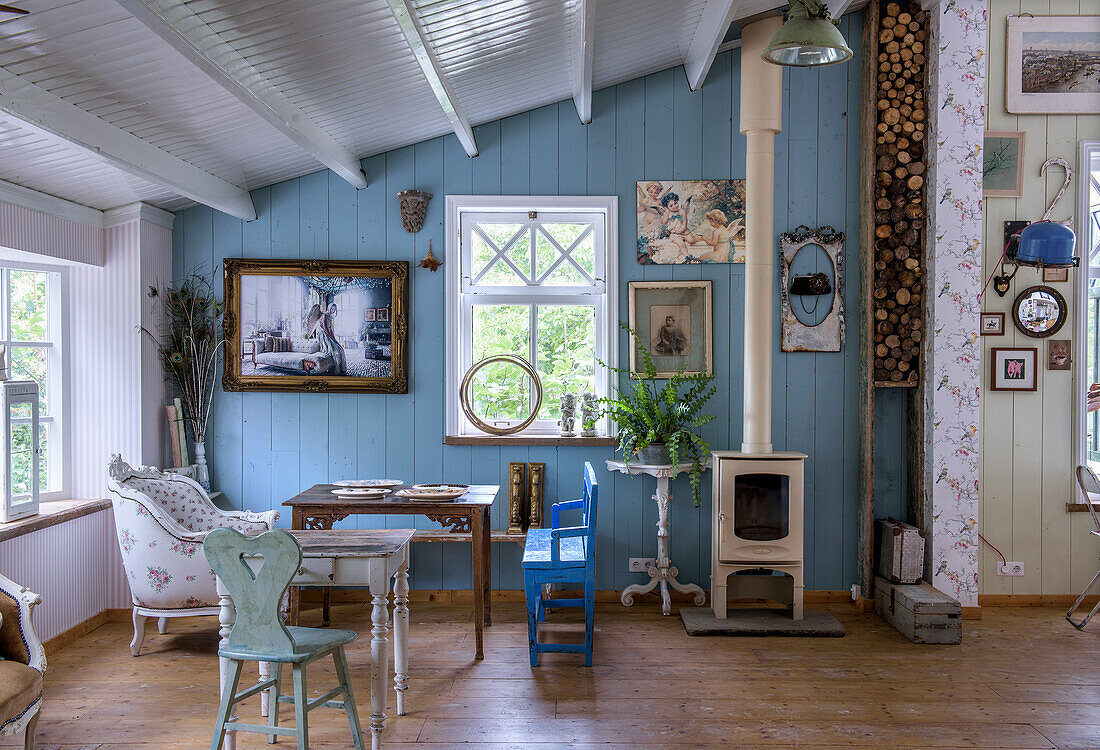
[[1013, 369], [328, 326], [673, 320], [1051, 64]]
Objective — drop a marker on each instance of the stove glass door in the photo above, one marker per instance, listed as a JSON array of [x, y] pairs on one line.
[[761, 507]]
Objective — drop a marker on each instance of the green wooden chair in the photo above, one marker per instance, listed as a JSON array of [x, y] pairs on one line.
[[259, 634]]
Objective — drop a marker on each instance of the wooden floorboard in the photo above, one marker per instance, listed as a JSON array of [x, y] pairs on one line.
[[1022, 678]]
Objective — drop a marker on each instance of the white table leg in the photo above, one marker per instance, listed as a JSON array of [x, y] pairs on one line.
[[663, 574], [227, 615], [379, 667], [401, 633]]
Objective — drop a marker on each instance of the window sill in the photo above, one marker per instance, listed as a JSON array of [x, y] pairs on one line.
[[554, 440], [51, 513], [1081, 507]]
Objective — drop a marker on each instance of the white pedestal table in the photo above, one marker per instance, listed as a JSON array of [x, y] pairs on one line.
[[662, 574], [348, 557]]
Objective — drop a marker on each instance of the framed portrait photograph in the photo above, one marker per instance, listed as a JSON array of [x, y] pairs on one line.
[[673, 319], [1013, 369], [1058, 354], [993, 324], [1055, 274], [316, 326], [1051, 65], [691, 221], [1002, 157]]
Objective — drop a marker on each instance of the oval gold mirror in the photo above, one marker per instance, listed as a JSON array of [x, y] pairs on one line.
[[1039, 311]]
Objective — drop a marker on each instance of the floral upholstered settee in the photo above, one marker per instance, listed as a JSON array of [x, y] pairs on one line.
[[161, 520], [22, 662]]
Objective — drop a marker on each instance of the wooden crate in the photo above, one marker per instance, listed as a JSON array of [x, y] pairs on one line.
[[919, 612]]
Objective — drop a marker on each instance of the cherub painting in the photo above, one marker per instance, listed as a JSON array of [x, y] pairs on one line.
[[691, 221]]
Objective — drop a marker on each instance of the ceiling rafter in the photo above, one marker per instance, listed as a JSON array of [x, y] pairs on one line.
[[418, 42], [583, 51], [46, 112], [713, 24], [841, 7], [189, 35]]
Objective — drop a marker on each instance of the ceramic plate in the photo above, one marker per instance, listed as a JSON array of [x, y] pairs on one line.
[[438, 493], [441, 487], [360, 491], [369, 483]]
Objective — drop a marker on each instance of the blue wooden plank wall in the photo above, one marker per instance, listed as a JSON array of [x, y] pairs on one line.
[[266, 447]]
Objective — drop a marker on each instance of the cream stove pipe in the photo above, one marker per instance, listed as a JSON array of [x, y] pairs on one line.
[[761, 119]]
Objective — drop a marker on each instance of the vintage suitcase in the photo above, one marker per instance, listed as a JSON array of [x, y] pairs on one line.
[[900, 551], [919, 612]]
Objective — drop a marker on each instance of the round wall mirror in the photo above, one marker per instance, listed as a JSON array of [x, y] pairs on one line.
[[1039, 311], [504, 398]]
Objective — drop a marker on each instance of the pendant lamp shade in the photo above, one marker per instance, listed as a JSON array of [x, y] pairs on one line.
[[808, 38]]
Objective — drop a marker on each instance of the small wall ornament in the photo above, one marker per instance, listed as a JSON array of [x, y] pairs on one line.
[[414, 205], [429, 261]]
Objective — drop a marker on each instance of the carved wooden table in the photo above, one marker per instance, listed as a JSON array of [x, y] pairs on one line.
[[662, 574], [318, 508], [350, 557]]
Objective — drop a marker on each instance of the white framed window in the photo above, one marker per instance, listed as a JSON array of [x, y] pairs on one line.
[[533, 276], [32, 313]]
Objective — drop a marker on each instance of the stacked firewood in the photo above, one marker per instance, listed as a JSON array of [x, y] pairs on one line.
[[900, 131]]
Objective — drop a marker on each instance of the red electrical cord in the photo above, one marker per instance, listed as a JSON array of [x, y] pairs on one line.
[[1003, 560]]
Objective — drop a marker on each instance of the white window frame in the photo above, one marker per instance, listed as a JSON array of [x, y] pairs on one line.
[[459, 298], [1087, 152], [57, 412]]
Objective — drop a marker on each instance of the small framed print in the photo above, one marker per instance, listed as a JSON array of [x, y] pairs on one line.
[[1055, 274], [993, 324], [1013, 369], [1002, 155], [1058, 354]]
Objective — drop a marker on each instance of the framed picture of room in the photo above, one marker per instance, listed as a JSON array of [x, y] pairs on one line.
[[1051, 63], [316, 326], [672, 319], [1013, 369]]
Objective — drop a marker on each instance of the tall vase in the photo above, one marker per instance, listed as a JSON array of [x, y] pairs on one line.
[[202, 476]]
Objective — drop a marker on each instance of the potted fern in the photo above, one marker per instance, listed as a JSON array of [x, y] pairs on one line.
[[659, 426]]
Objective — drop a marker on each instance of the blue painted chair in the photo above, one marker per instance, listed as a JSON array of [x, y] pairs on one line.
[[563, 555], [259, 634]]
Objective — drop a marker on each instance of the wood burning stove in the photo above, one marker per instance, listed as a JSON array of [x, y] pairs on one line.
[[758, 526]]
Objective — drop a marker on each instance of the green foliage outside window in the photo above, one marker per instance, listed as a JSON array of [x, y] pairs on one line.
[[29, 304]]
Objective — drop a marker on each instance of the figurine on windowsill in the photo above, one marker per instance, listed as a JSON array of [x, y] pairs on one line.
[[589, 414], [568, 411]]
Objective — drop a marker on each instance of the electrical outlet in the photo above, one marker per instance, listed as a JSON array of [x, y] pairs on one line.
[[1011, 569], [641, 564]]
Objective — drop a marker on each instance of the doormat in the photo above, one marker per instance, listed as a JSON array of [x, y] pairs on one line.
[[814, 624]]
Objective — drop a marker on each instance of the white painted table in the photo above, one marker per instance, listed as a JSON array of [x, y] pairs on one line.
[[663, 574], [348, 557]]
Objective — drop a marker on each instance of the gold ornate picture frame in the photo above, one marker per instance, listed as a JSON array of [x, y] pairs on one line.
[[304, 325]]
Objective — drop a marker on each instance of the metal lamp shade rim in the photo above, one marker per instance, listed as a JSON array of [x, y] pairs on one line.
[[799, 35]]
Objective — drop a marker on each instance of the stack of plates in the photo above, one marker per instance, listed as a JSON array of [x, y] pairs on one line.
[[375, 483], [433, 492], [365, 488]]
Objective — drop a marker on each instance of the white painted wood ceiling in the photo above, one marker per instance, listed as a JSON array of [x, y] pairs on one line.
[[345, 65]]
